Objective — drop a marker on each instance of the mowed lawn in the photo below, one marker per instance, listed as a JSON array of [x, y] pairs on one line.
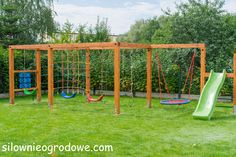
[[168, 131]]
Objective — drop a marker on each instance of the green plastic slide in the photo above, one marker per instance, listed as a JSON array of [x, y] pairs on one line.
[[209, 95]]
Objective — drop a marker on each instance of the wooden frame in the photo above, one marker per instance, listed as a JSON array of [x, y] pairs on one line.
[[38, 75], [75, 46], [87, 64], [12, 72], [116, 47], [50, 48], [200, 46], [203, 72], [50, 78], [117, 79], [149, 78], [11, 76]]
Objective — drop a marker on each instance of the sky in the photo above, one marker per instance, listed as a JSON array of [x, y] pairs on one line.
[[121, 14]]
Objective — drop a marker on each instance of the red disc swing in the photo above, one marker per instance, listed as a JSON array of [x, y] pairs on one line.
[[177, 101]]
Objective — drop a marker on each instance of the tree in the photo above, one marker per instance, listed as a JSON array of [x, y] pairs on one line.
[[68, 33], [101, 31], [204, 21], [10, 29], [142, 31], [101, 61], [164, 33], [193, 21], [25, 21]]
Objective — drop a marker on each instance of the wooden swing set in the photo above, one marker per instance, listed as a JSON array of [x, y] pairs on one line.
[[116, 47]]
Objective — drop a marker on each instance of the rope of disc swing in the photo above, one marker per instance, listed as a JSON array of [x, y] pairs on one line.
[[189, 75], [160, 72], [159, 77], [191, 82]]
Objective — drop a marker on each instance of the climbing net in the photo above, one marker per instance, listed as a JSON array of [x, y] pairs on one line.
[[69, 73]]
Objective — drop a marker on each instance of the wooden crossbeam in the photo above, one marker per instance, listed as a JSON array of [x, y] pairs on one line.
[[91, 46], [124, 45], [21, 90], [30, 47], [72, 46], [229, 75], [84, 46], [170, 46], [102, 45], [25, 71]]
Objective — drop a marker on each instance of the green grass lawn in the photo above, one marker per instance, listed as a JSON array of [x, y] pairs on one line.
[[167, 131]]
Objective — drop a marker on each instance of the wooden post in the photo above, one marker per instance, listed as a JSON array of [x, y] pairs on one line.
[[203, 67], [234, 85], [149, 78], [38, 75], [50, 78], [87, 71], [117, 79], [11, 76]]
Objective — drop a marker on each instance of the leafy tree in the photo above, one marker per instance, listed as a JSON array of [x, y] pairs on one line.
[[141, 32], [3, 70], [68, 33], [101, 31], [204, 21], [164, 34], [25, 21], [193, 21], [101, 61], [10, 29], [64, 34]]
